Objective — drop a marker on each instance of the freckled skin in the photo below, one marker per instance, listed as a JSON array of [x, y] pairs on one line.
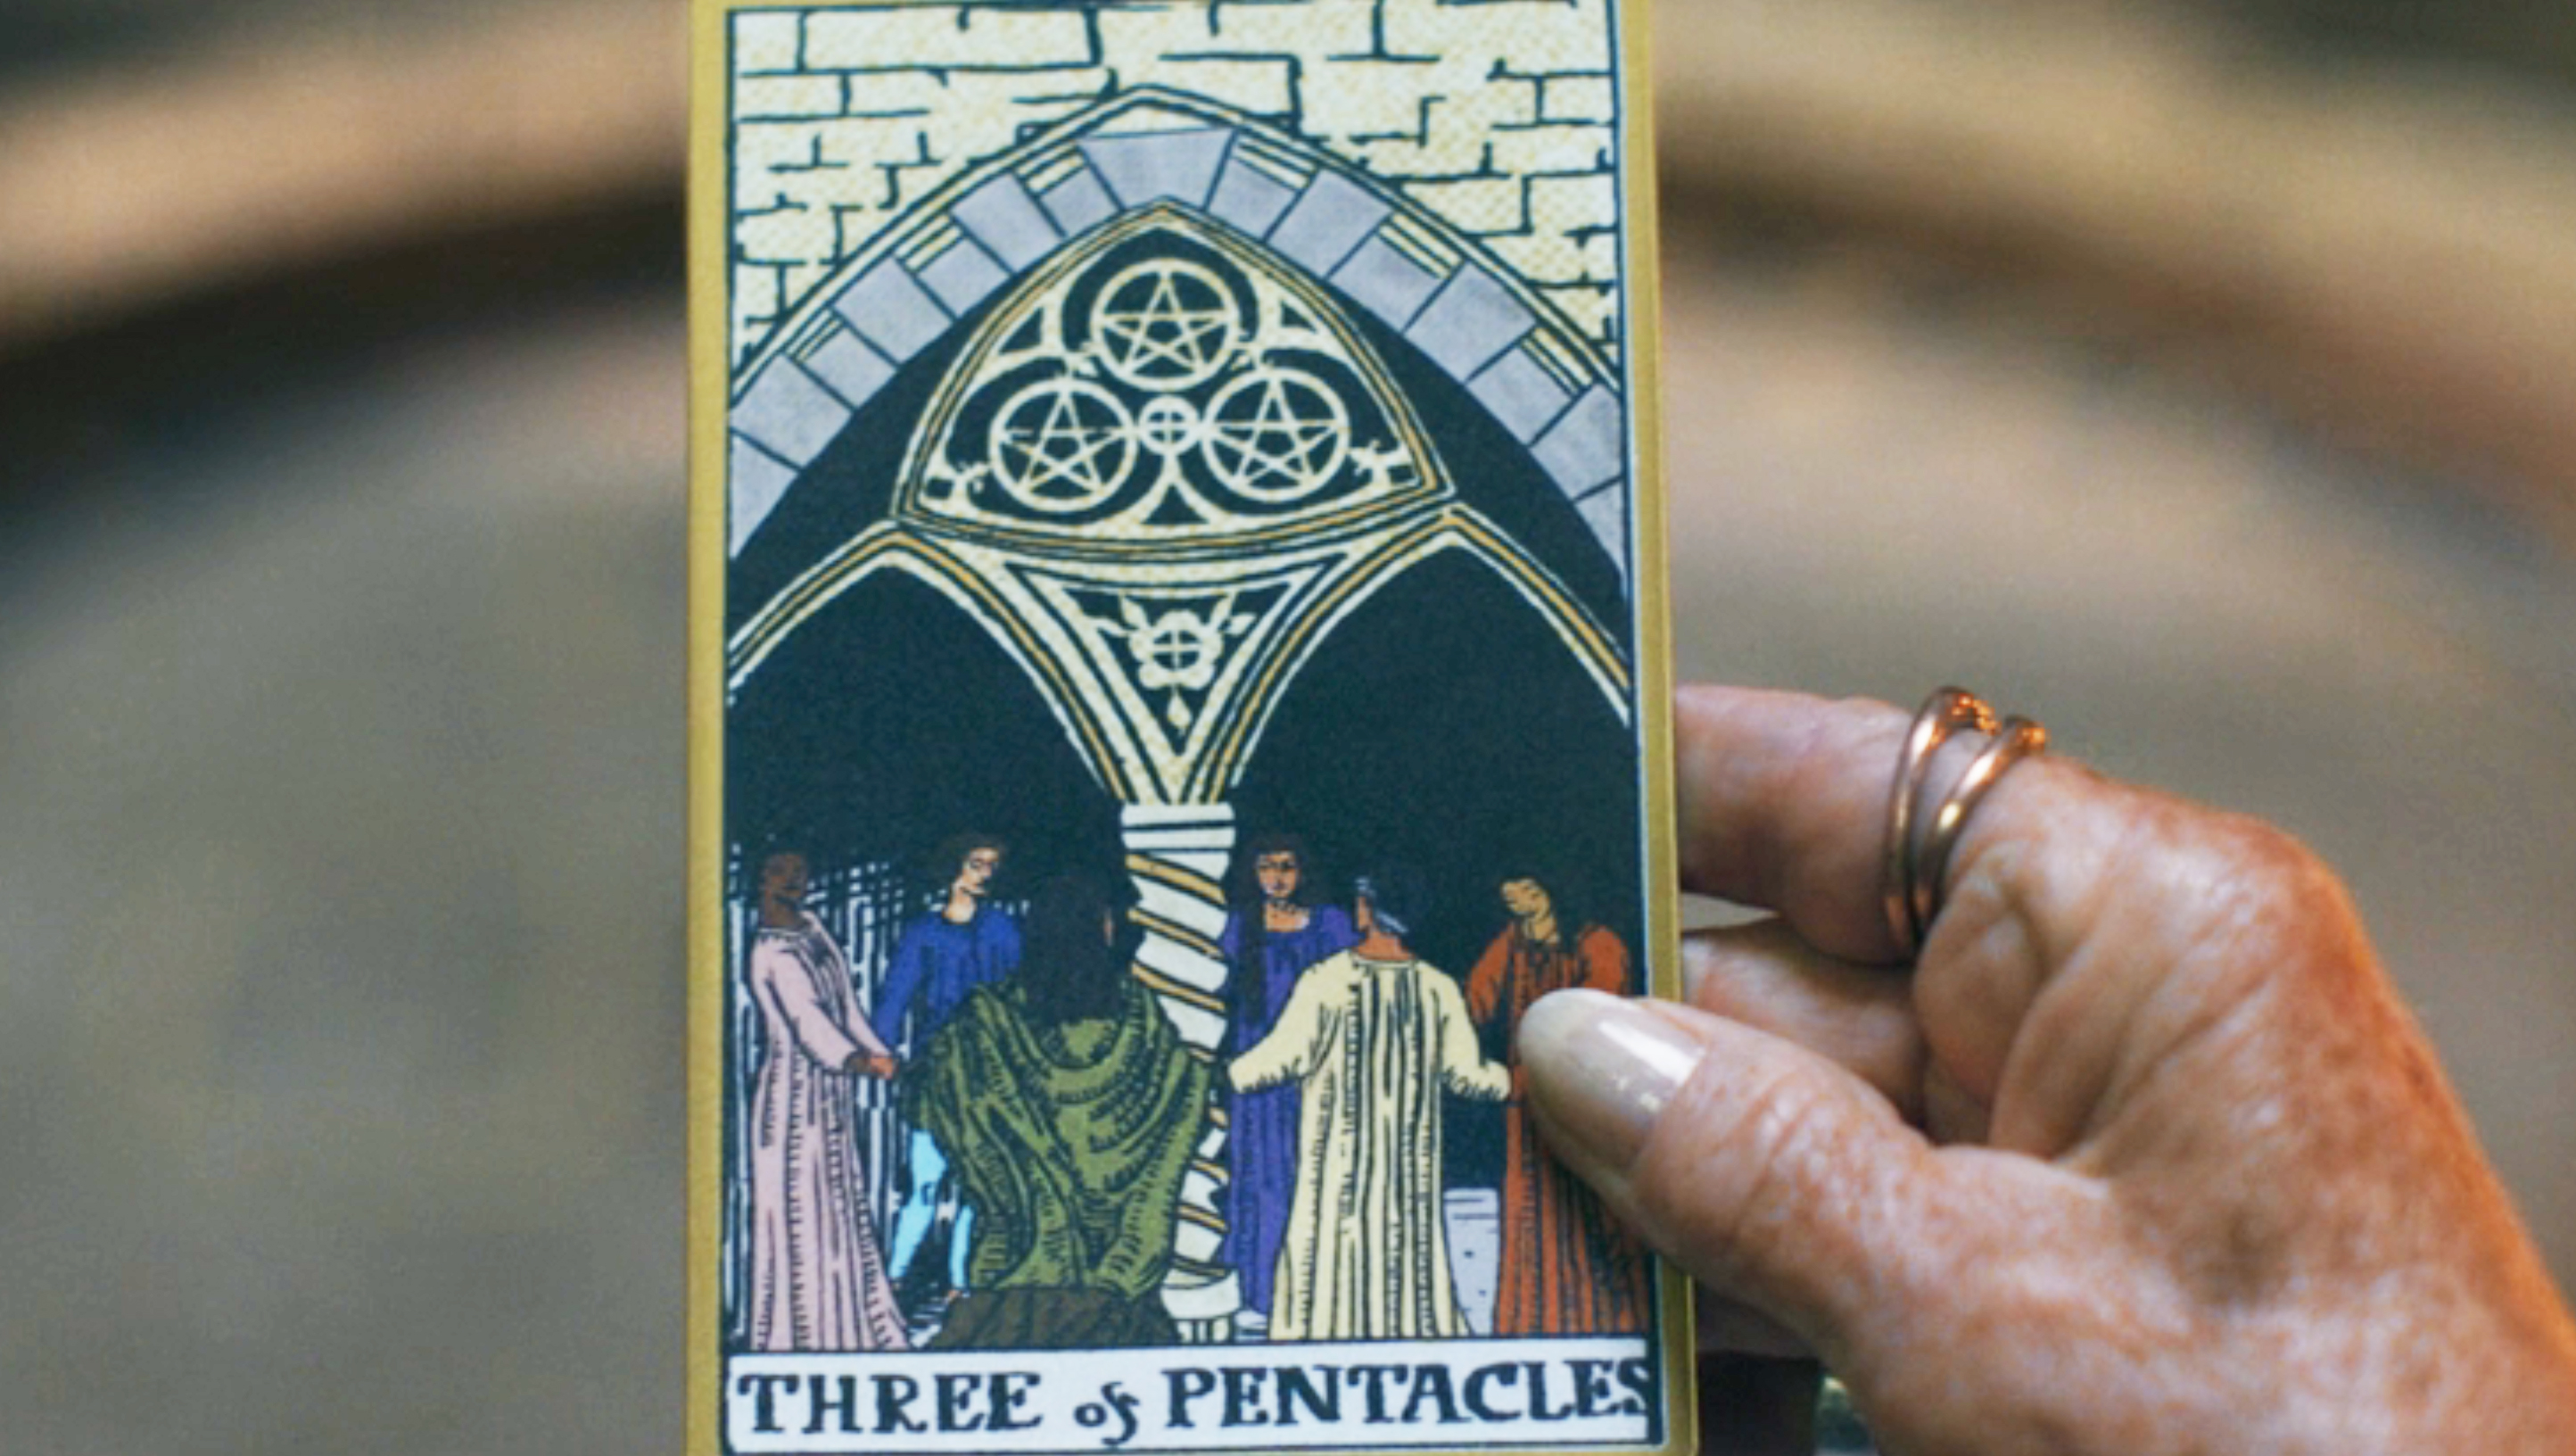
[[2143, 1155]]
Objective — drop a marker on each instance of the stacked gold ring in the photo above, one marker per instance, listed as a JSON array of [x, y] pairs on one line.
[[1916, 865]]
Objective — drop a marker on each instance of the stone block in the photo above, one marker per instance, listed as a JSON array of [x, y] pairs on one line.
[[1351, 99], [788, 414], [764, 41], [1587, 445], [756, 307], [891, 311], [1542, 257], [784, 235], [1131, 35], [1592, 308], [1388, 129], [1397, 160], [1385, 282], [1606, 512], [1311, 30], [943, 35], [1552, 147], [899, 158], [1479, 205], [1049, 107], [755, 291], [1008, 222], [1522, 397], [1524, 35], [796, 280], [1487, 103], [984, 110], [1578, 98], [761, 153], [753, 485], [867, 143], [1326, 221], [777, 98], [1079, 202], [1473, 318], [1601, 257], [1177, 164], [849, 368], [853, 196], [961, 276], [1247, 198], [1563, 204], [1259, 86], [893, 91]]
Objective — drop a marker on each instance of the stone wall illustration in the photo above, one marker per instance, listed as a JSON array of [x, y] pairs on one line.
[[1495, 115]]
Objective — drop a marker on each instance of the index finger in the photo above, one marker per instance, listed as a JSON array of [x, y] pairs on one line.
[[1783, 802]]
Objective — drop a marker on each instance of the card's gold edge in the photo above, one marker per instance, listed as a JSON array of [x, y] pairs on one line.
[[1641, 278], [708, 280]]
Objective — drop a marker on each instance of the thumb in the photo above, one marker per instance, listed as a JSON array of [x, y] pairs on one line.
[[1770, 1174]]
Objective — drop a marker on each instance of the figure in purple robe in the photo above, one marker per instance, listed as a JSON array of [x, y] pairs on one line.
[[817, 1280], [1273, 934]]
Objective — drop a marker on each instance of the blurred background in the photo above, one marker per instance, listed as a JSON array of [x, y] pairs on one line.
[[2199, 378]]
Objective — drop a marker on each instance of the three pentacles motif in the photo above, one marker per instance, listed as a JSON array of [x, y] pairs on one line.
[[1164, 393]]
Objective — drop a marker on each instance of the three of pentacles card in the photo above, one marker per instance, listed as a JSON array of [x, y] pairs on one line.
[[1177, 631]]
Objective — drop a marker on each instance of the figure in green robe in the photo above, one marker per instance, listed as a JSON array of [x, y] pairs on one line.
[[1070, 1106]]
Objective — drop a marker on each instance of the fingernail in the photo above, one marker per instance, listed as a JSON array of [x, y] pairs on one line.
[[1603, 1068]]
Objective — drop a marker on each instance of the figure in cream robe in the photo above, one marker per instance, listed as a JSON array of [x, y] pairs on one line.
[[817, 1280], [1372, 1046]]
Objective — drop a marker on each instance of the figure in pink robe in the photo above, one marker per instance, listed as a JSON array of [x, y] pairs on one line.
[[817, 1279]]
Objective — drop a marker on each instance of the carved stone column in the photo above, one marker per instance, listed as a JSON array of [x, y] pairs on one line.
[[1177, 857]]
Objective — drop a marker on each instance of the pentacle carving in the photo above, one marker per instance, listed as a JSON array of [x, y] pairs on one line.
[[1276, 434], [1062, 445], [1171, 386], [1164, 324]]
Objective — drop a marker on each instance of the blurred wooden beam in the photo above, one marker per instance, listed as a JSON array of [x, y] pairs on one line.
[[2391, 257], [275, 151]]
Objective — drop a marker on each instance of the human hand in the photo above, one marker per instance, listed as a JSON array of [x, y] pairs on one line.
[[2143, 1155]]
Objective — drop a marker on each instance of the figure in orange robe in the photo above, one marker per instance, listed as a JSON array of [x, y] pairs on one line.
[[1566, 1268]]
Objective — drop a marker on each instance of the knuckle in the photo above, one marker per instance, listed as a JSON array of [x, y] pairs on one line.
[[2228, 876], [2252, 921], [2266, 885]]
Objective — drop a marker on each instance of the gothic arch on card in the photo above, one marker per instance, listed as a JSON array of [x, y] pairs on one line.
[[1162, 400]]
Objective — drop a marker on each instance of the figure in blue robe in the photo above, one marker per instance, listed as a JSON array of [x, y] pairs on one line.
[[938, 960]]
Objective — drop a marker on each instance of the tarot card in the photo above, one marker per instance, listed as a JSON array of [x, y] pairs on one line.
[[1179, 667]]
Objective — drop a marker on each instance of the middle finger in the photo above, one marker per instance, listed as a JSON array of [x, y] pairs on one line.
[[1764, 975]]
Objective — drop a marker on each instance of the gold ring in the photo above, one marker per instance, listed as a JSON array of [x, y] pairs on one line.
[[2018, 739], [1942, 714]]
